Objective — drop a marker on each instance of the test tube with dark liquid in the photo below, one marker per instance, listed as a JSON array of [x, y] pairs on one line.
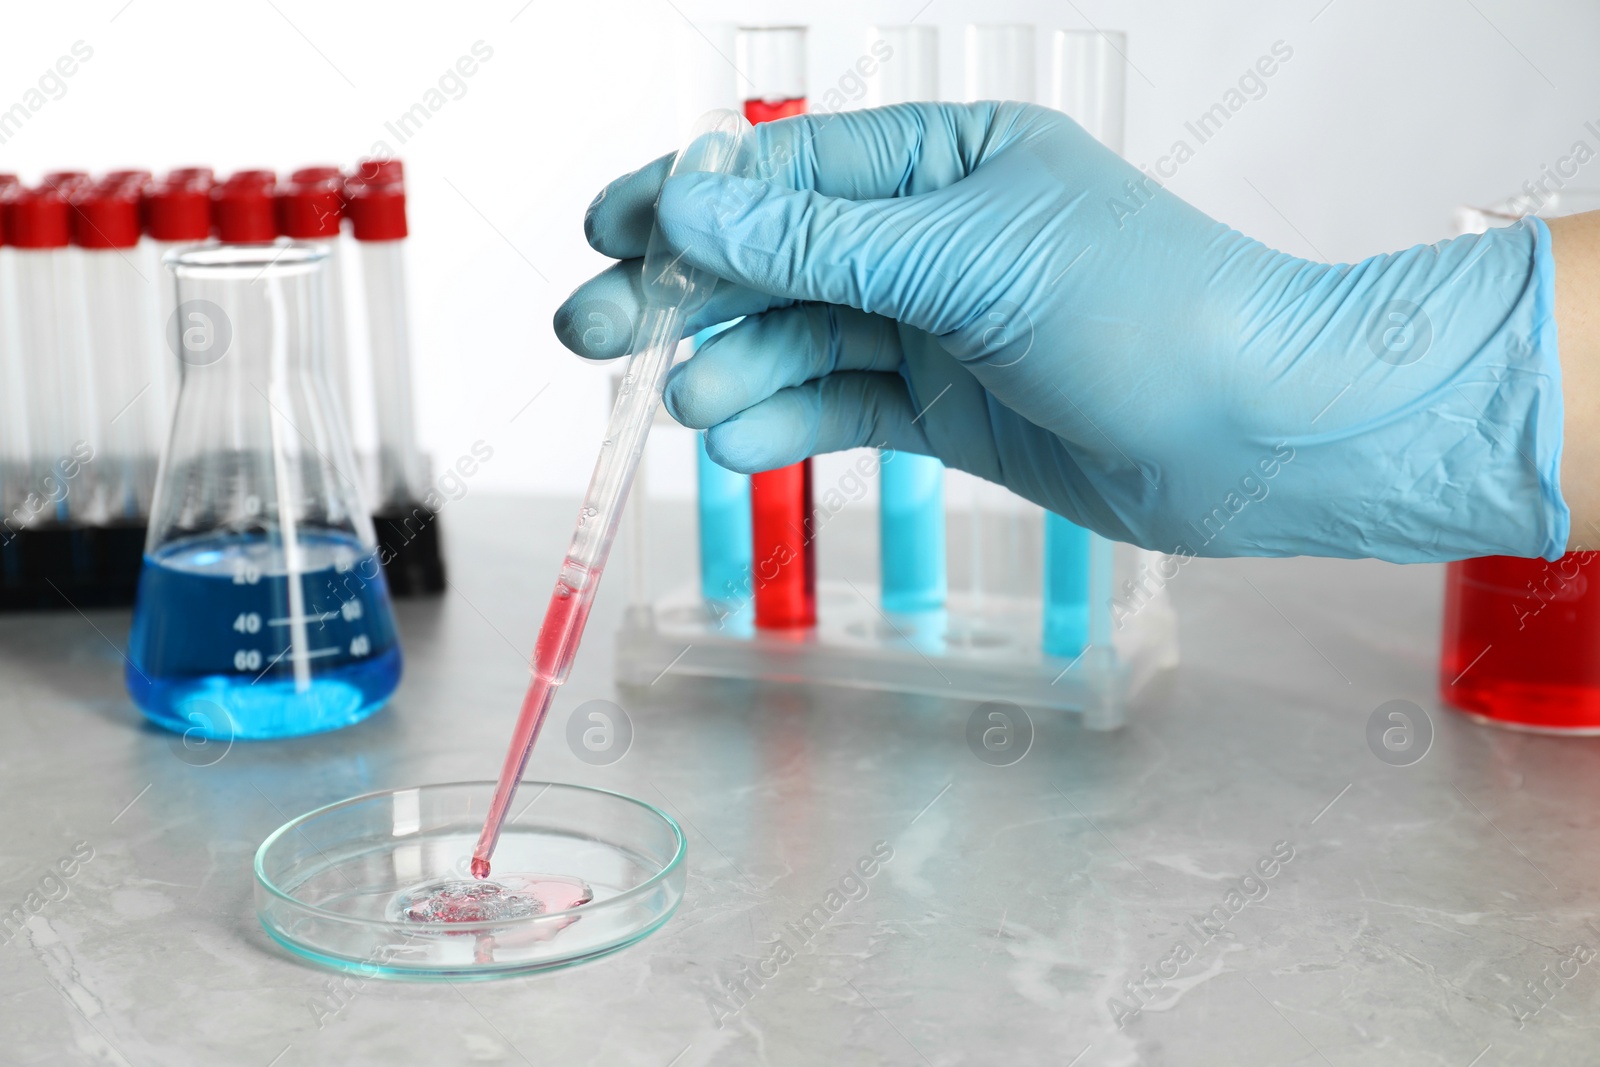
[[408, 531]]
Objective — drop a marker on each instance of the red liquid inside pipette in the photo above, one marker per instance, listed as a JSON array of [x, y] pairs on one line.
[[553, 654]]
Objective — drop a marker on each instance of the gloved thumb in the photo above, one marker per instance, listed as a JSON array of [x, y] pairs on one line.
[[876, 255]]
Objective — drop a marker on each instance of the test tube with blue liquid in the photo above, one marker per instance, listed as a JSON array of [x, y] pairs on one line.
[[911, 521], [725, 536], [1088, 83], [262, 607]]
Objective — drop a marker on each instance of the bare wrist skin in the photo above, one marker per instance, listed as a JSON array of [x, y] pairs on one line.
[[1575, 243]]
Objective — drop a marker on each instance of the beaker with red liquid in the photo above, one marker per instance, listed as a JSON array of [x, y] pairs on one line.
[[1522, 641]]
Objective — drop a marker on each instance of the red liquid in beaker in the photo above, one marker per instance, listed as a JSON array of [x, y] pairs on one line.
[[1522, 641]]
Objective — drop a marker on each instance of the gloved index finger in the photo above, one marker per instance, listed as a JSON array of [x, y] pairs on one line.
[[857, 155], [874, 154], [618, 221]]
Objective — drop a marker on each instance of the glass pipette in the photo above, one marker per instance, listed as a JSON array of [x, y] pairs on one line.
[[719, 145]]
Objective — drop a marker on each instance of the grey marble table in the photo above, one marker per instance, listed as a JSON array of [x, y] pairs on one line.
[[1235, 878]]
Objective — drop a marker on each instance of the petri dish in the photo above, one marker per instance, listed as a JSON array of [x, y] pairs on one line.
[[341, 885]]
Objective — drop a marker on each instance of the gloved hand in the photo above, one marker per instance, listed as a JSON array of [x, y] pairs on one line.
[[987, 284]]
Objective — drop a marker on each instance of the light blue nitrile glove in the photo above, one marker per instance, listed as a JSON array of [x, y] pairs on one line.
[[987, 284]]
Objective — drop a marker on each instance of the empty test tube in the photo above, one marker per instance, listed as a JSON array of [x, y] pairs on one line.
[[176, 212], [13, 413], [1089, 81], [911, 523], [128, 378], [310, 210], [408, 533], [59, 495], [999, 66]]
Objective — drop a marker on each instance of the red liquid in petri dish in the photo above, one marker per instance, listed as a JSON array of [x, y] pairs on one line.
[[1522, 641], [780, 501], [512, 897]]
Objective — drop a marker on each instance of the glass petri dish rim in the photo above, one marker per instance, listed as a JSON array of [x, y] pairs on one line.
[[680, 850]]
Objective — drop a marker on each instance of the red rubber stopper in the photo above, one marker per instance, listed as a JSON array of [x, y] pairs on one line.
[[105, 217], [136, 176], [188, 175], [38, 218], [177, 211], [242, 213], [322, 172], [310, 210], [66, 180], [255, 176], [379, 172], [377, 212]]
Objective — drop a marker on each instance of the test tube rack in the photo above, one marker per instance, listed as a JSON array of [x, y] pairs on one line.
[[977, 648], [972, 652]]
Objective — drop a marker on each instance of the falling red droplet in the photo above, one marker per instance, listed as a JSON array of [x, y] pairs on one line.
[[480, 867]]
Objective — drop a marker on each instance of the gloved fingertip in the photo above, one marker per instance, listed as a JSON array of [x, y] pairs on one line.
[[592, 327], [670, 394], [731, 446]]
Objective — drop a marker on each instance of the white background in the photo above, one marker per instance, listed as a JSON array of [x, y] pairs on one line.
[[1388, 115]]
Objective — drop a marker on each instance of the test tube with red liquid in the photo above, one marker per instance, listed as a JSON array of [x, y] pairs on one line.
[[773, 62]]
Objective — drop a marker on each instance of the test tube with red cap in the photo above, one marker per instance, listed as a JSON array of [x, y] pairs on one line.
[[407, 528], [13, 411], [128, 176], [65, 181], [62, 439], [773, 60], [242, 209], [311, 210], [376, 171], [128, 379], [202, 176], [176, 212]]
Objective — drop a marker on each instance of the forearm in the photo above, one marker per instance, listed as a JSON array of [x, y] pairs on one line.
[[1575, 244]]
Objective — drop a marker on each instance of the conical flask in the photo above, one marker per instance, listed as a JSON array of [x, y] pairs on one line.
[[262, 609]]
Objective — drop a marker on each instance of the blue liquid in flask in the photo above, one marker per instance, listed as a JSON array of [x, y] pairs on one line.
[[218, 649]]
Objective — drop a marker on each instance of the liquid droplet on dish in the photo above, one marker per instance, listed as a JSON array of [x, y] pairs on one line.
[[507, 899]]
